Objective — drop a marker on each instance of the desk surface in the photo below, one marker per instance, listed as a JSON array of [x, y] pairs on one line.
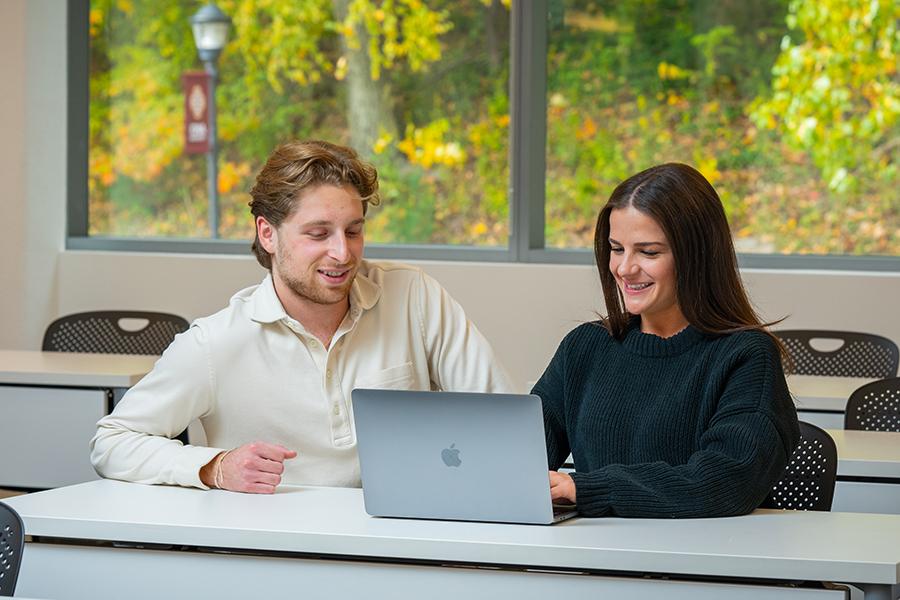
[[823, 393], [73, 368], [867, 453], [845, 547]]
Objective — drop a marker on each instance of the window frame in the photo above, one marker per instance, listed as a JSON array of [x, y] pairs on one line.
[[527, 157]]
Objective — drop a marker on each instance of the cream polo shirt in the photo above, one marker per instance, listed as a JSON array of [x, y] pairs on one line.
[[250, 372]]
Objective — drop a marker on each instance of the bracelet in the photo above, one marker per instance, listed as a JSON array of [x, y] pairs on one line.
[[217, 477]]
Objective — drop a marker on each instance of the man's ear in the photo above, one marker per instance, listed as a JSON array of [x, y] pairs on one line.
[[267, 234]]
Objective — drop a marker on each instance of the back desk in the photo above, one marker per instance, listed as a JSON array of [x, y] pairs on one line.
[[103, 539], [822, 400], [50, 403], [868, 471]]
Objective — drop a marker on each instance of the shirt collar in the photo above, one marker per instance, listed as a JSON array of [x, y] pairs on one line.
[[364, 292], [267, 308]]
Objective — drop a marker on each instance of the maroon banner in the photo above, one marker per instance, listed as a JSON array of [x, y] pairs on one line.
[[196, 102]]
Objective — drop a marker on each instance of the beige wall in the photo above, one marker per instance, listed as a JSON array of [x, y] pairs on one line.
[[12, 167], [32, 165], [523, 309]]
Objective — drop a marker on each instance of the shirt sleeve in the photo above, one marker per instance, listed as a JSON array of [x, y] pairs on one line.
[[460, 359], [741, 455], [133, 442]]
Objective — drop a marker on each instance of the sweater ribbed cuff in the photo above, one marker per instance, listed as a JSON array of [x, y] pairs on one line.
[[592, 493]]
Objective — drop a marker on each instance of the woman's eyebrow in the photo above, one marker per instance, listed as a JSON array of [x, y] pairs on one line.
[[639, 244]]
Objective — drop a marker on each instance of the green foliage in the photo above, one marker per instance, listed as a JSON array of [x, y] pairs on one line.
[[397, 29], [836, 91], [789, 107], [633, 84], [283, 76]]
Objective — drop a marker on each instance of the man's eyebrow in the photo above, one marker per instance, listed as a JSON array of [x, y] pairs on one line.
[[326, 223]]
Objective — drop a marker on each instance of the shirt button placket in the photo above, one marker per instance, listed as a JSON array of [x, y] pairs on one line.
[[333, 393]]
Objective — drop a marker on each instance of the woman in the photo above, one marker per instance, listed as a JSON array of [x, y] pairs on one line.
[[675, 403]]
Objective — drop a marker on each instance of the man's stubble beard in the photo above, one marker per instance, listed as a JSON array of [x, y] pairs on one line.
[[316, 294], [307, 289]]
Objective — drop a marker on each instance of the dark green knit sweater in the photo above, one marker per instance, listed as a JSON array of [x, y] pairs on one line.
[[687, 426]]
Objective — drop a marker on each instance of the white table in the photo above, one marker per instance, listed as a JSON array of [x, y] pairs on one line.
[[50, 403], [868, 471], [104, 539], [822, 401]]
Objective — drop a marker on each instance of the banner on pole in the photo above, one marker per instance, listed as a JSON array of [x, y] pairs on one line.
[[196, 104]]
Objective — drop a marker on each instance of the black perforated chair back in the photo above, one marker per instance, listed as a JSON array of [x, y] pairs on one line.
[[12, 544], [102, 332], [808, 480], [860, 355], [875, 406]]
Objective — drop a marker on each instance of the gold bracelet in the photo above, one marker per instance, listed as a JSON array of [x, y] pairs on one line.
[[217, 477]]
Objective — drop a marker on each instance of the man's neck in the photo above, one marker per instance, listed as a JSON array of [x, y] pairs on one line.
[[321, 320]]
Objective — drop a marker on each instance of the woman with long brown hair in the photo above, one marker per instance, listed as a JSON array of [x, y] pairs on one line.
[[674, 404]]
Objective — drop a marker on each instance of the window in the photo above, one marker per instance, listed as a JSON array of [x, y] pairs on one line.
[[790, 107], [424, 86]]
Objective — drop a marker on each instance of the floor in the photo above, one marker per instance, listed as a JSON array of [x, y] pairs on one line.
[[9, 493]]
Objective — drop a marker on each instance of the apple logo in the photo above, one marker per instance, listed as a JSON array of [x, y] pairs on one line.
[[450, 456]]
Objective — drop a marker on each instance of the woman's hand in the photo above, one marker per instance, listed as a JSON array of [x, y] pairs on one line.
[[561, 487]]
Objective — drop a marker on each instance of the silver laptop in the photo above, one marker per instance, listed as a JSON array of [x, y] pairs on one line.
[[450, 455]]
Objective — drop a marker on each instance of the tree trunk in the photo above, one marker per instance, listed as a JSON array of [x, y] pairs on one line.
[[369, 102], [494, 16]]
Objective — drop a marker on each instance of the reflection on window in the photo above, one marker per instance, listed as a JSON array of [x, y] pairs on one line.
[[419, 88], [790, 108]]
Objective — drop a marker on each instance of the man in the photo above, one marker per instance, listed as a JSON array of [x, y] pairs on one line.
[[270, 376]]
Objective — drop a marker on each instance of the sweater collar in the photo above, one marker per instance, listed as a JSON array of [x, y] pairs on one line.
[[647, 344]]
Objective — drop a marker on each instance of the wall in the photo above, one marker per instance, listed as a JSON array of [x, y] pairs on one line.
[[32, 165], [12, 166], [523, 309]]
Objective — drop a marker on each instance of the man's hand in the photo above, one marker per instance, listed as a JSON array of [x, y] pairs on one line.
[[562, 487], [254, 468]]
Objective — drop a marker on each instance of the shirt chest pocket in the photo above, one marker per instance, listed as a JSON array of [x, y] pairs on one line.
[[392, 378]]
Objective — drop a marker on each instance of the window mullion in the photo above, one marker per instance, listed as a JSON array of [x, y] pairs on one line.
[[528, 126]]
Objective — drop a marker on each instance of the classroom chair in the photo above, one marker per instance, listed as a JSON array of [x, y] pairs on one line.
[[809, 478], [102, 332], [12, 544], [860, 354], [874, 406]]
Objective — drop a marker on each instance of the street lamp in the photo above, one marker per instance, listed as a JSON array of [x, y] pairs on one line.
[[210, 26]]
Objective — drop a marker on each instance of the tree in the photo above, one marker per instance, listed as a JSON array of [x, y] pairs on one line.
[[283, 75], [836, 91]]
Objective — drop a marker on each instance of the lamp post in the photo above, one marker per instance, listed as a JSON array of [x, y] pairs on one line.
[[210, 26]]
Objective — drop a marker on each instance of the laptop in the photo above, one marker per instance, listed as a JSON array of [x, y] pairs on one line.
[[453, 455]]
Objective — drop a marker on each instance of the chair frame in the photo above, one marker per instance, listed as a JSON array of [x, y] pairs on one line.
[[804, 336], [827, 479], [12, 545]]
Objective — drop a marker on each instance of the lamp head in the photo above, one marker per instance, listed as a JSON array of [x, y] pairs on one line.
[[210, 26]]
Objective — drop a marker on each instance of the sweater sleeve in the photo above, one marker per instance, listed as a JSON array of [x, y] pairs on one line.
[[741, 454], [550, 388]]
